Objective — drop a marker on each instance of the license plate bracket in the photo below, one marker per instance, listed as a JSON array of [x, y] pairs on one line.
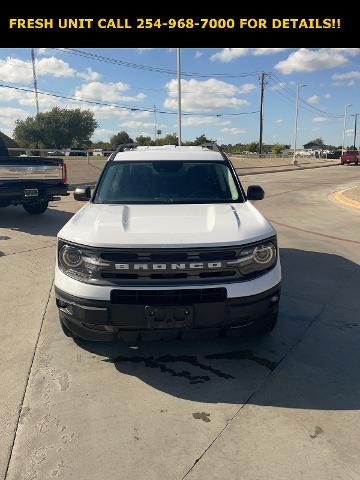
[[169, 316], [31, 192]]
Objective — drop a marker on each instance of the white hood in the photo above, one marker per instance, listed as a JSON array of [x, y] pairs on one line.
[[157, 226]]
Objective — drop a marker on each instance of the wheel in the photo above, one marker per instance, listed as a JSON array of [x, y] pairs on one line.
[[268, 324], [36, 208]]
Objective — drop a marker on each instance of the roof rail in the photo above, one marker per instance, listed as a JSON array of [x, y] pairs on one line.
[[211, 146], [126, 146], [217, 148]]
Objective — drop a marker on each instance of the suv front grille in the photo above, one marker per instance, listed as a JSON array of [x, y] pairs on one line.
[[168, 266]]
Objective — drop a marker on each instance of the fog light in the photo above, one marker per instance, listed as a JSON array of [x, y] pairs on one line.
[[60, 303], [274, 299]]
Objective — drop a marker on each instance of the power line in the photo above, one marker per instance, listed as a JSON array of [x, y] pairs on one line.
[[287, 94], [126, 107], [282, 85], [167, 71]]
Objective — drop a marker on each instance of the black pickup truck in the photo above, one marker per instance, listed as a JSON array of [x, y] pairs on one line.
[[31, 181]]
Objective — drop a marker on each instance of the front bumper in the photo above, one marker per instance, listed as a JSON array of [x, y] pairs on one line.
[[128, 318]]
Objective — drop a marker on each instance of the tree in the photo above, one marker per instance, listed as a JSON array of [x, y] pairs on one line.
[[58, 128], [169, 139], [120, 138], [278, 148], [143, 141], [202, 139]]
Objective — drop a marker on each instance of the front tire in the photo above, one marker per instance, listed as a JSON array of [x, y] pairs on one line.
[[35, 208]]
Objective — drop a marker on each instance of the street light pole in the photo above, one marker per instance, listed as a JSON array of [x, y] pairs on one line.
[[299, 85], [155, 123], [344, 129], [179, 95], [356, 115]]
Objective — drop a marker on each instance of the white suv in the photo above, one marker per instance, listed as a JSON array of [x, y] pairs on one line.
[[168, 245]]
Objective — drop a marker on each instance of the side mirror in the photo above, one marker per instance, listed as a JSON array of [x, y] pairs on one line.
[[82, 194], [255, 192]]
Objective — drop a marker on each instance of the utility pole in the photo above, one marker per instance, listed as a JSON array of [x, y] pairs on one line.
[[35, 81], [179, 95], [155, 128], [262, 88], [344, 129], [299, 85], [355, 115]]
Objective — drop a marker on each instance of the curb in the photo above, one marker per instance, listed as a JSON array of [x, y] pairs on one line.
[[290, 169], [72, 186], [349, 202]]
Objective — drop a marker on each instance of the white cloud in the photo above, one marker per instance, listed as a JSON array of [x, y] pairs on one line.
[[204, 95], [20, 71], [55, 67], [328, 95], [8, 115], [229, 54], [102, 134], [135, 124], [351, 83], [313, 99], [107, 92], [193, 120], [28, 98], [268, 51], [143, 50], [306, 60], [89, 74], [15, 70], [349, 132], [247, 88], [278, 86], [321, 120], [279, 120], [198, 54], [346, 76], [234, 130]]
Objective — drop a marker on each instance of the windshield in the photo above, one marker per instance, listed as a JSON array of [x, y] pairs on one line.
[[159, 182]]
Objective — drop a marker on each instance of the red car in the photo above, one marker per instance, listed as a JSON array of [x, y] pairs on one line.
[[351, 156]]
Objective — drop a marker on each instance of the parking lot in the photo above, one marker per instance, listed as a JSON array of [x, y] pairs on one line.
[[286, 406]]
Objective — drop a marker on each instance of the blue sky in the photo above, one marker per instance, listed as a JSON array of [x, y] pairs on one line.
[[225, 82]]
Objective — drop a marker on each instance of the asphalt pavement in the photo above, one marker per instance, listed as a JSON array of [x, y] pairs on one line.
[[286, 406]]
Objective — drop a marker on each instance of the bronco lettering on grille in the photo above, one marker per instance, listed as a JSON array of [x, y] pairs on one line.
[[170, 266]]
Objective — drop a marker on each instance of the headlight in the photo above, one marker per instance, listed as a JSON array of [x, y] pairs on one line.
[[256, 258], [71, 257], [77, 261]]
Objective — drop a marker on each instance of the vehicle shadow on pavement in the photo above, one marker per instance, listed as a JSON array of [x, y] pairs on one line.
[[310, 361], [48, 224]]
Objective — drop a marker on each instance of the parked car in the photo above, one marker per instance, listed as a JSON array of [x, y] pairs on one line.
[[98, 152], [168, 245], [75, 153], [335, 154], [351, 156], [56, 153]]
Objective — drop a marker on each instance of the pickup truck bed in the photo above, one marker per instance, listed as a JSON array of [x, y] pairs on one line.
[[31, 182]]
